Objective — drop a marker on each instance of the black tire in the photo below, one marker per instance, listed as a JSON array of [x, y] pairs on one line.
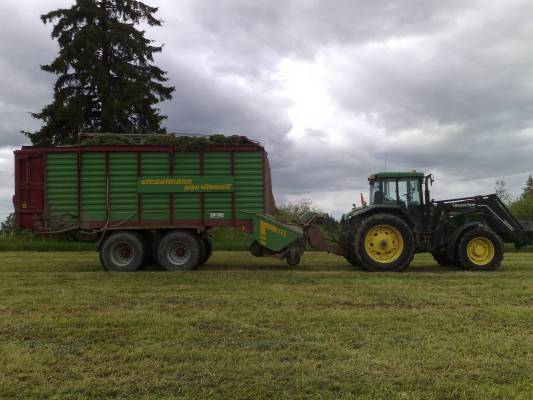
[[350, 257], [207, 250], [293, 259], [397, 245], [480, 249], [203, 252], [179, 250], [122, 252], [350, 250], [443, 260], [102, 261]]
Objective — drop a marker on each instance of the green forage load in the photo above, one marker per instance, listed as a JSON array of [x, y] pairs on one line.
[[181, 143]]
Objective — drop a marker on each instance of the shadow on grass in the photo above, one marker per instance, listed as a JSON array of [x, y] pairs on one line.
[[341, 267]]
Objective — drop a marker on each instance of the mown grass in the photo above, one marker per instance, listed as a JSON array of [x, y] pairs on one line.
[[242, 328], [43, 244]]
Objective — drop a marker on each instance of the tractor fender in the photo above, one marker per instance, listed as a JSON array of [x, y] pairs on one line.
[[450, 249], [388, 209]]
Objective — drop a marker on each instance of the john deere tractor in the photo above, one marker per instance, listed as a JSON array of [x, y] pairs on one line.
[[401, 219]]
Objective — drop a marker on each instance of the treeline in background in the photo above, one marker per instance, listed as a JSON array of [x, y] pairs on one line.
[[522, 206]]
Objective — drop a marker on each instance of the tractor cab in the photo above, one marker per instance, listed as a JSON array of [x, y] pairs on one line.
[[402, 189], [396, 188]]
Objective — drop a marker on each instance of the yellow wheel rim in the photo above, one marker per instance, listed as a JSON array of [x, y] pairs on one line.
[[383, 243], [480, 250]]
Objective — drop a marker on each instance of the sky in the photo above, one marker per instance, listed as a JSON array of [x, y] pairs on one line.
[[334, 89]]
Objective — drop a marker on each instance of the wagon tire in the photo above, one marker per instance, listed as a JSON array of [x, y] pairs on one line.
[[102, 262], [179, 250], [122, 252], [207, 250]]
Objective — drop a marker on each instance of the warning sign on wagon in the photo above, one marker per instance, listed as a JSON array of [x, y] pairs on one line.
[[196, 184]]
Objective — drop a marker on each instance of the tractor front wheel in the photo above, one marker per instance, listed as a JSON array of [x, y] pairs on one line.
[[479, 249], [384, 242]]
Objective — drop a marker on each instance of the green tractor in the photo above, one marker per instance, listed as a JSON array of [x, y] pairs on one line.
[[401, 219]]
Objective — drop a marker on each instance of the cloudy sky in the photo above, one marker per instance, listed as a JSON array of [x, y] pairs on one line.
[[335, 90]]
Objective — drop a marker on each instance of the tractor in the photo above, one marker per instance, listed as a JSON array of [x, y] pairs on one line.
[[401, 219]]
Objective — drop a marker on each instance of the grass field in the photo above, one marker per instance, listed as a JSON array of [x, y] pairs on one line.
[[247, 328]]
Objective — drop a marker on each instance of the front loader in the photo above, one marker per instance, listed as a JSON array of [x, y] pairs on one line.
[[400, 220]]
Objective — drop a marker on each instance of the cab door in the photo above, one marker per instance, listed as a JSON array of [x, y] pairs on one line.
[[410, 198]]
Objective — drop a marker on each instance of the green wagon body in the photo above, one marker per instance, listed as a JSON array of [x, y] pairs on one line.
[[130, 186]]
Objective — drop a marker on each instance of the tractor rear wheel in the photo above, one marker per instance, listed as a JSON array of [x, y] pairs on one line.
[[479, 249], [384, 242], [350, 257]]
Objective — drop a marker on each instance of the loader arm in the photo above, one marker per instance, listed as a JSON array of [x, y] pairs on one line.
[[494, 213]]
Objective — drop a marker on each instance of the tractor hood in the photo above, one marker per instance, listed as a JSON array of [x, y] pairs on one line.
[[354, 211]]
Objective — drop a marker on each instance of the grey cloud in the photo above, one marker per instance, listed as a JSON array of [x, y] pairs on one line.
[[204, 105], [298, 27]]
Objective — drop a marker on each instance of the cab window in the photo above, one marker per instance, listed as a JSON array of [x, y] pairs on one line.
[[409, 190], [383, 192]]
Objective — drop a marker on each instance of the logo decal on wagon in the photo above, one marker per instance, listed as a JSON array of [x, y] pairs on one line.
[[197, 184]]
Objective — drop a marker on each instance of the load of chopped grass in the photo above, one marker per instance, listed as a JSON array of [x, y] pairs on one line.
[[181, 143], [108, 139]]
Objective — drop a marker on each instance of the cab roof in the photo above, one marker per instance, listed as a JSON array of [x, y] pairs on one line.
[[397, 175]]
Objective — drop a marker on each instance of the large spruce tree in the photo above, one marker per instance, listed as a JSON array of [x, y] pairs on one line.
[[106, 78]]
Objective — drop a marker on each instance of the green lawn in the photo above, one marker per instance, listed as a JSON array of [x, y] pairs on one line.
[[247, 328]]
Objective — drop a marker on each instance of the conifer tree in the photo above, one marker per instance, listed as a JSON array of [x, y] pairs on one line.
[[106, 77]]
